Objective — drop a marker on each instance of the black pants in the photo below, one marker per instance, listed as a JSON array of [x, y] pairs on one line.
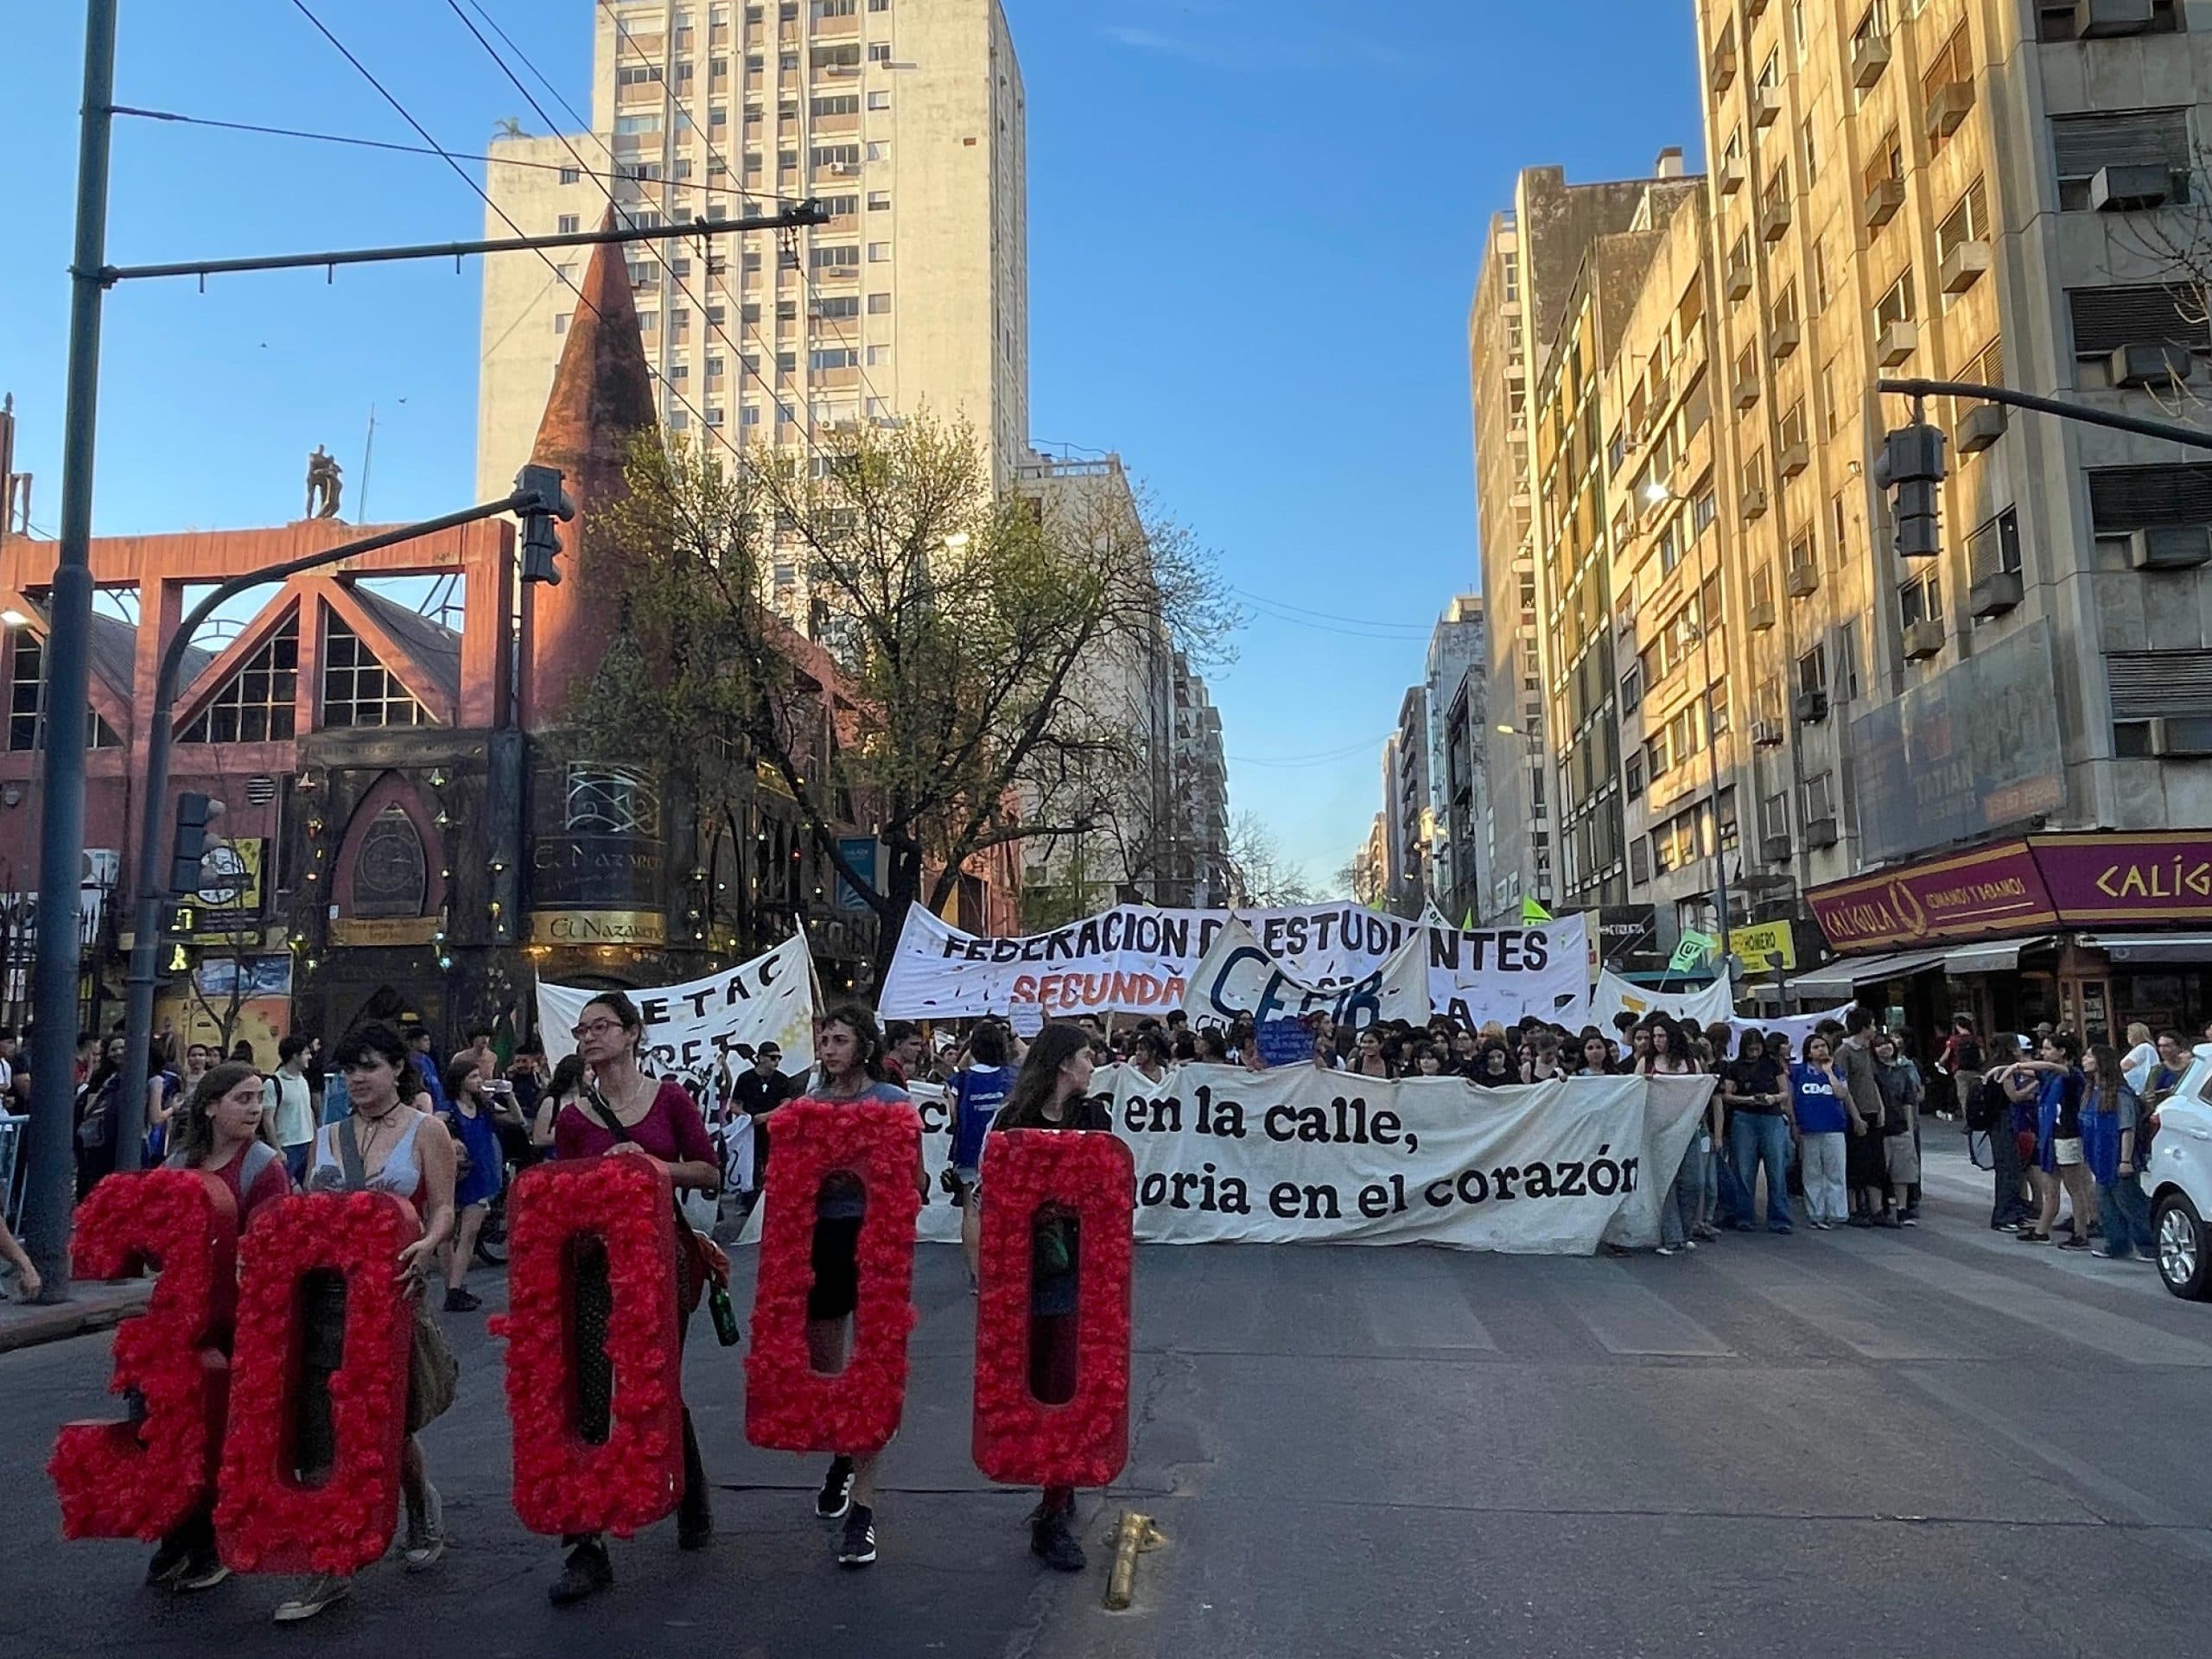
[[595, 1306]]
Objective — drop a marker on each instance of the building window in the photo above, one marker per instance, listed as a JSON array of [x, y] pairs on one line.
[[357, 689], [877, 252], [257, 706], [879, 100], [1895, 306], [878, 305], [2105, 319], [1818, 798], [1632, 771], [571, 174], [1994, 548], [878, 52], [1847, 660], [1631, 688], [26, 701], [2084, 145], [879, 201], [1813, 669], [2055, 20], [1811, 146], [567, 225], [842, 256]]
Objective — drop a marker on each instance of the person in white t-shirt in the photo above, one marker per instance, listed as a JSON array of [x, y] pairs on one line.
[[290, 1110]]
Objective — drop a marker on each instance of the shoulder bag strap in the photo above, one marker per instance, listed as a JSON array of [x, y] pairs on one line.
[[605, 1113], [347, 1135]]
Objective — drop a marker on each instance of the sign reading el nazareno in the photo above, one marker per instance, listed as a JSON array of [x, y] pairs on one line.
[[2150, 878]]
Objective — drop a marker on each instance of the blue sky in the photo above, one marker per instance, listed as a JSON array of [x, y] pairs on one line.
[[1253, 226]]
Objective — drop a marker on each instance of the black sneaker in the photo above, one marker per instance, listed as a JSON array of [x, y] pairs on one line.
[[857, 1547], [587, 1574], [460, 1301], [1052, 1541], [170, 1559], [836, 1494]]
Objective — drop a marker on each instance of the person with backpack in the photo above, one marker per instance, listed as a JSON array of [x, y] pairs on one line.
[[1964, 1060]]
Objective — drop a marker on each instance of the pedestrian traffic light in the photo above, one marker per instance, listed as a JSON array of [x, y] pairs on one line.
[[541, 540], [193, 814], [181, 920], [1910, 465]]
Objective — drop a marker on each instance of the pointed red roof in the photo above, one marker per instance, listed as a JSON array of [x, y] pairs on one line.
[[602, 398]]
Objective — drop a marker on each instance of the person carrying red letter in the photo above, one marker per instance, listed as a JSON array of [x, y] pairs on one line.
[[622, 1112], [849, 1054]]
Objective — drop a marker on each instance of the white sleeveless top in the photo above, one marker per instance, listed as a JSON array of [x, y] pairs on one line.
[[402, 1174]]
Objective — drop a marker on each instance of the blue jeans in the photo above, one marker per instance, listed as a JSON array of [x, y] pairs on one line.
[[1728, 1192], [1755, 1138], [2125, 1213], [1685, 1204]]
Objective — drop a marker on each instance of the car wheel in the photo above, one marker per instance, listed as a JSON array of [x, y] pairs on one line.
[[2184, 1261]]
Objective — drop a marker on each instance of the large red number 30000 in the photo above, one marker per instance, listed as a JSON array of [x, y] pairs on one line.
[[141, 1476], [790, 1406]]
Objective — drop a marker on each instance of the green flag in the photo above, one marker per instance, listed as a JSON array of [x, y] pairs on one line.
[[1468, 927], [1534, 914], [1696, 948]]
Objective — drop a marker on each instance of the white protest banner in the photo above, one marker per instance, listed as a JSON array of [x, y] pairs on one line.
[[1135, 960], [1235, 975], [1707, 1004], [1796, 1026], [1301, 1155], [1504, 974], [689, 1027]]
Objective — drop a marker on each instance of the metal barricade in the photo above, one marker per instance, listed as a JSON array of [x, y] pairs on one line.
[[12, 1129]]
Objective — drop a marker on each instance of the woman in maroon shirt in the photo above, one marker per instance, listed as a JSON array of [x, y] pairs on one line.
[[624, 1113]]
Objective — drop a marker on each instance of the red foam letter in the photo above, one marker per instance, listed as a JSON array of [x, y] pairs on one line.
[[563, 1484], [1020, 1441], [140, 1480], [790, 1406], [267, 1520]]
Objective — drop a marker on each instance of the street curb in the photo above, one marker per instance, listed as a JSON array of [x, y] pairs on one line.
[[35, 1326]]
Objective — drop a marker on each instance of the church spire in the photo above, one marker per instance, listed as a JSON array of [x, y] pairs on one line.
[[602, 398]]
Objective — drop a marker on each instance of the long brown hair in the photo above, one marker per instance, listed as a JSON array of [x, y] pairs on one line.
[[193, 1137]]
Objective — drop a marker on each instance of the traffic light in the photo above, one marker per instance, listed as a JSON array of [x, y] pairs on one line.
[[541, 542], [193, 814], [1910, 465], [180, 922]]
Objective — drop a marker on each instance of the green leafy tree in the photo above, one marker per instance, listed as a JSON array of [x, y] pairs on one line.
[[905, 649]]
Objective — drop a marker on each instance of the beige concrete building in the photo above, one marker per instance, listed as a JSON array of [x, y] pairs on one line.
[[1529, 268], [904, 119], [1977, 191]]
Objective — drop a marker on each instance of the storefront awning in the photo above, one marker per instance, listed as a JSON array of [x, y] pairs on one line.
[[1998, 957], [2153, 947], [1842, 977]]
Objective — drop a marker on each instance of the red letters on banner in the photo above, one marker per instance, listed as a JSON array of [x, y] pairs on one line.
[[267, 1520], [789, 1405], [563, 1484], [1020, 1441], [119, 1479]]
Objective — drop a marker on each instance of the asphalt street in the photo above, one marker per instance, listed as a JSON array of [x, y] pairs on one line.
[[1936, 1441]]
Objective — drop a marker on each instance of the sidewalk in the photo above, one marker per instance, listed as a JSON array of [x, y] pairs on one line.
[[93, 1305]]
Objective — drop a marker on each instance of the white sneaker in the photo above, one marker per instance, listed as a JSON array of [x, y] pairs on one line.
[[426, 1533], [325, 1592]]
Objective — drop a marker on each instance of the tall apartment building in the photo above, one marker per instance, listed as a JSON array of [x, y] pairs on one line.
[[1458, 711], [1677, 631], [903, 118], [1123, 684], [1984, 192], [1197, 865], [1530, 260]]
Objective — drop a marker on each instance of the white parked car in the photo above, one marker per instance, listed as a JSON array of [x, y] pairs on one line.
[[2179, 1182]]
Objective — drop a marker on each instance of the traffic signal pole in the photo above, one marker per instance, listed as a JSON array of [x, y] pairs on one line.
[[539, 501], [51, 1188], [2196, 436]]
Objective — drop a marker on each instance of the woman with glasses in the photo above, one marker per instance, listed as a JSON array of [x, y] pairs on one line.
[[624, 1113]]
